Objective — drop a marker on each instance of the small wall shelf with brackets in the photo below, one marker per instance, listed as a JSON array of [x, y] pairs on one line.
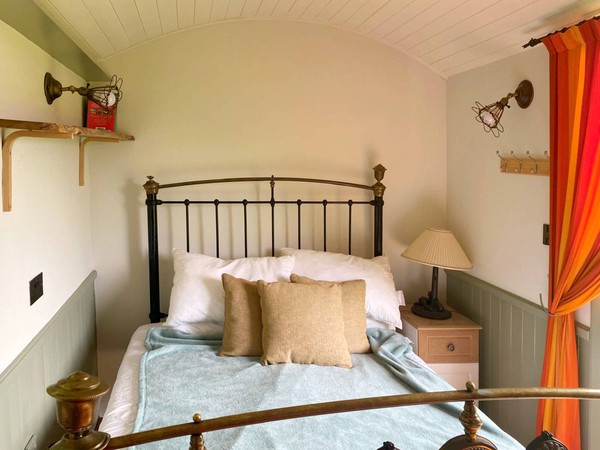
[[51, 131]]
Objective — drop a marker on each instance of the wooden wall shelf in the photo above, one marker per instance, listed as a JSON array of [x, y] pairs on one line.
[[51, 131]]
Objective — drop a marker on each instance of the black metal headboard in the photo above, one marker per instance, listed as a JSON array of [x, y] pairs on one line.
[[152, 202]]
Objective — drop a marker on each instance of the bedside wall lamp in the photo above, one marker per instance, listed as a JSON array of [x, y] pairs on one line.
[[104, 96], [437, 248], [490, 115]]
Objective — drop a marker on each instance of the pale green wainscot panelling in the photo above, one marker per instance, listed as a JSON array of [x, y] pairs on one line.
[[66, 344], [512, 347]]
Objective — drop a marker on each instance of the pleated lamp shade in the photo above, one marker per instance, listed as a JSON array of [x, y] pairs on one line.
[[438, 248]]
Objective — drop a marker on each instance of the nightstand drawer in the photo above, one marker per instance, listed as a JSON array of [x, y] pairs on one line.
[[449, 346]]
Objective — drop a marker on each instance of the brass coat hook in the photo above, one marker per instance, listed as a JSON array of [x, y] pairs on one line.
[[520, 169], [537, 163], [503, 163]]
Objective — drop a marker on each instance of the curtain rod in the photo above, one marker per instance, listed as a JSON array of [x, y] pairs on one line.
[[535, 41]]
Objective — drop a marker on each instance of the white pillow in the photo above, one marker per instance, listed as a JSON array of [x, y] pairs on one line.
[[377, 324], [197, 294], [381, 300]]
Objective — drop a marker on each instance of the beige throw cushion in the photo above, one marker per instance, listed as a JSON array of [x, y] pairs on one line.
[[242, 331], [303, 323], [353, 303]]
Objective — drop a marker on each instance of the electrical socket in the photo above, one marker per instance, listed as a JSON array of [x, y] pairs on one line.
[[32, 444], [36, 288]]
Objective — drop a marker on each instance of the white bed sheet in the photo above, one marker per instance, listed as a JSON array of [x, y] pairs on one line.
[[121, 410]]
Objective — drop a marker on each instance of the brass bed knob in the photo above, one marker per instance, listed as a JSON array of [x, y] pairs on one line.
[[77, 398]]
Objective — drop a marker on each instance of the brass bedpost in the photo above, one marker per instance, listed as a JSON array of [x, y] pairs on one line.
[[378, 190], [197, 440], [471, 422], [77, 398], [151, 187]]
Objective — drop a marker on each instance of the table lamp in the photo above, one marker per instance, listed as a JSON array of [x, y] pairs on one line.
[[436, 248]]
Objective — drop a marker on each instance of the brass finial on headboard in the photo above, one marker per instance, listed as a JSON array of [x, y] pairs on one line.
[[379, 187], [151, 186]]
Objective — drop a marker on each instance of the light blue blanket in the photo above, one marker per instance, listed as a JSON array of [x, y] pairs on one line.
[[182, 374]]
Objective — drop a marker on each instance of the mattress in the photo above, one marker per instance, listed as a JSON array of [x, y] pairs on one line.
[[121, 410], [124, 416]]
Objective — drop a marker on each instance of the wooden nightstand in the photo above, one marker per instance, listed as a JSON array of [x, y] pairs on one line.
[[450, 347]]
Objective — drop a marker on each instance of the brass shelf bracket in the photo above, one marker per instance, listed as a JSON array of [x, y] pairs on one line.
[[52, 131]]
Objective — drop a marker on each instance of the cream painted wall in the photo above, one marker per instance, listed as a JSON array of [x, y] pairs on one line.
[[49, 228], [256, 98], [499, 217]]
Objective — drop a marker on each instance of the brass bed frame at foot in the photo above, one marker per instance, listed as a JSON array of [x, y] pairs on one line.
[[78, 395]]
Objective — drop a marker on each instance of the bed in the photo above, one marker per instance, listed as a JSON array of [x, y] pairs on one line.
[[303, 334]]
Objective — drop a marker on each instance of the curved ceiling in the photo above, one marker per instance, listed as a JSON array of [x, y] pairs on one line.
[[449, 36]]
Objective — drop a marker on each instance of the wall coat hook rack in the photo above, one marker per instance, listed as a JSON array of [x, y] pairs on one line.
[[527, 165]]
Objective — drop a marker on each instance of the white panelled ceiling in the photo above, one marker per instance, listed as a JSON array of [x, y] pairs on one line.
[[449, 36]]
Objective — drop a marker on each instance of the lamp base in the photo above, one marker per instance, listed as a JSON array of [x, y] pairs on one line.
[[434, 311]]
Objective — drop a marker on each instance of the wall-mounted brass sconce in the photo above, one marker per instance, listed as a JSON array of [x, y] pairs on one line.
[[104, 96], [490, 115]]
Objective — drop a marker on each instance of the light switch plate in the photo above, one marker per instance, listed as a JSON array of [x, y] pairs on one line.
[[546, 234], [36, 288]]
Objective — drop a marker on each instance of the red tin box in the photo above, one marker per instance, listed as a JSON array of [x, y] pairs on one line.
[[100, 118]]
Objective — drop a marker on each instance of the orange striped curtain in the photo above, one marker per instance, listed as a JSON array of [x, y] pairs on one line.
[[574, 274]]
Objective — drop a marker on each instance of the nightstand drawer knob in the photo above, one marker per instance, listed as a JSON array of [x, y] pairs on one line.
[[451, 347]]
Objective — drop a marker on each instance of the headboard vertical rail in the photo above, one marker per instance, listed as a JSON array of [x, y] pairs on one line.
[[272, 184], [324, 225], [186, 202], [299, 203], [245, 203], [217, 250], [350, 202], [378, 190], [152, 188]]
